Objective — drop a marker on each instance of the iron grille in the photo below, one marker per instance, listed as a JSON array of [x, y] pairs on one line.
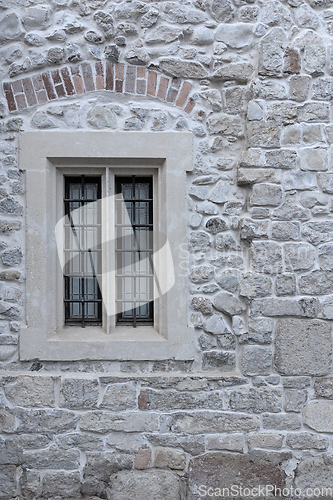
[[134, 250], [83, 300]]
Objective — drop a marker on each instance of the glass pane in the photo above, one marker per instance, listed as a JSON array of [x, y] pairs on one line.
[[83, 250], [134, 249]]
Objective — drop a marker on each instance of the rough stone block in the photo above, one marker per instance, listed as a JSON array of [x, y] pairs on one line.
[[317, 472], [164, 400], [99, 466], [314, 112], [43, 459], [264, 134], [222, 471], [303, 347], [226, 125], [295, 399], [319, 416], [282, 422], [169, 458], [315, 59], [61, 485], [300, 181], [256, 399], [318, 232], [286, 231], [79, 393], [265, 440], [307, 441], [247, 176], [40, 420], [8, 481], [219, 361], [217, 422], [253, 229], [193, 444], [156, 484], [266, 195], [266, 257], [285, 284], [256, 360], [323, 388], [313, 159], [30, 391], [298, 256], [104, 421], [316, 283], [120, 397], [142, 459], [255, 285], [228, 304], [228, 442]]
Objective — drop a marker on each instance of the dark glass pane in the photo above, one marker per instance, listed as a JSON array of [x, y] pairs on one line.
[[83, 301], [134, 247]]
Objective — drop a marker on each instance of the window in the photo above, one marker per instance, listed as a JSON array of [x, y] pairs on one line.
[[106, 226]]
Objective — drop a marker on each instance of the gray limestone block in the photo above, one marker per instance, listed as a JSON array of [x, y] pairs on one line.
[[256, 400], [303, 347], [213, 422], [295, 399], [157, 484], [225, 471], [10, 28], [256, 360], [30, 391], [307, 441], [265, 194], [317, 472]]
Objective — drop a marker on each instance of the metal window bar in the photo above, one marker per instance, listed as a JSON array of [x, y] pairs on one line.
[[134, 250], [83, 299]]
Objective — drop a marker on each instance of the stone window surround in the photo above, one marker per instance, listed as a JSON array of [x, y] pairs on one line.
[[46, 156]]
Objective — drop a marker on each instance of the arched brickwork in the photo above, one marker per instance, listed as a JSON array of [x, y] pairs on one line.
[[86, 77]]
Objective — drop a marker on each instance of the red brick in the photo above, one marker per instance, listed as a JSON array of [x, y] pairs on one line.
[[99, 68], [130, 79], [17, 87], [119, 77], [9, 96], [88, 77], [141, 87], [173, 90], [183, 94], [163, 87], [41, 96], [77, 80], [99, 76], [60, 90], [141, 72], [142, 459], [109, 74], [152, 79], [120, 67], [29, 91], [119, 85], [189, 106], [143, 401], [48, 86], [37, 82], [69, 87], [56, 76], [20, 101]]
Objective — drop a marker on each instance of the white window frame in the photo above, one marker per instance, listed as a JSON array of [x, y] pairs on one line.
[[47, 156]]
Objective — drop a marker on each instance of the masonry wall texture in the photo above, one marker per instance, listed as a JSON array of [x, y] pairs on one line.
[[253, 81]]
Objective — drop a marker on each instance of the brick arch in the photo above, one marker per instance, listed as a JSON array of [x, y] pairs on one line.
[[68, 81]]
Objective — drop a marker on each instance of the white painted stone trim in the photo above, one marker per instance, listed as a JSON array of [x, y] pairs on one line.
[[43, 155]]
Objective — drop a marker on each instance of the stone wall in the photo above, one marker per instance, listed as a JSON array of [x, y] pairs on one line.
[[251, 79]]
